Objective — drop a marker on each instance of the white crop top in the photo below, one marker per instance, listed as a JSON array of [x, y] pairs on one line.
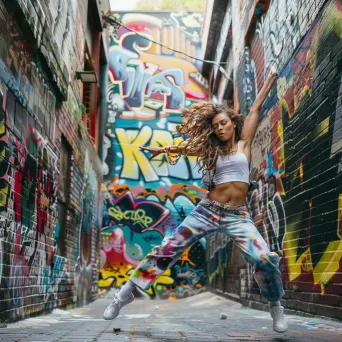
[[233, 168]]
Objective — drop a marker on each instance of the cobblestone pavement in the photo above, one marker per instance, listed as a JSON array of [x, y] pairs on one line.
[[192, 319]]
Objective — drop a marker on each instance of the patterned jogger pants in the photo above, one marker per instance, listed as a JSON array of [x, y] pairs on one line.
[[207, 217]]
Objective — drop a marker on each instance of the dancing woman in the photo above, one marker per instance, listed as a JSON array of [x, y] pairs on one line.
[[222, 143]]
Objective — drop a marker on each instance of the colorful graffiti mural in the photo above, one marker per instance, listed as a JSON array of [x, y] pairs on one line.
[[145, 200], [88, 229], [297, 151], [28, 213]]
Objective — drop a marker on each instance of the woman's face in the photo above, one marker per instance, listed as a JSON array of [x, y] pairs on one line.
[[223, 126]]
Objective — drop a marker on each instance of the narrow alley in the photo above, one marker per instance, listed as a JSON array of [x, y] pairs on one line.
[[185, 152]]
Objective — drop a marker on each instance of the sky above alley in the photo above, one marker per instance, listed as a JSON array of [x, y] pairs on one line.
[[127, 5]]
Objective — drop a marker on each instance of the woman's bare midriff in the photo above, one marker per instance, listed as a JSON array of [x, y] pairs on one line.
[[232, 193]]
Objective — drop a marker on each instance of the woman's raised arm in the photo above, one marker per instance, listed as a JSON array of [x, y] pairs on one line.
[[251, 123]]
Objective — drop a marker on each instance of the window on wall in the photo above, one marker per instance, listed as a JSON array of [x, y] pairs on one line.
[[63, 195], [89, 96], [87, 90], [19, 118], [43, 103]]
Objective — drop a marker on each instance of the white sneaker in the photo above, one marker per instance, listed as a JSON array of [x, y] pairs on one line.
[[279, 323], [113, 309]]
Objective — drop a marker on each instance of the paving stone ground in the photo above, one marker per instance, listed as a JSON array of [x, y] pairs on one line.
[[192, 319]]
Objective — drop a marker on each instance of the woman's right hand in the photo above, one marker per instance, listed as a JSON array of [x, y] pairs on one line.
[[155, 151]]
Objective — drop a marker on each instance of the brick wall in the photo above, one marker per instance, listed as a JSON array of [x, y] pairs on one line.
[[49, 199], [297, 152]]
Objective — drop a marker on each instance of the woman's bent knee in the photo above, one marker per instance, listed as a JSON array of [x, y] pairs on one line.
[[268, 262]]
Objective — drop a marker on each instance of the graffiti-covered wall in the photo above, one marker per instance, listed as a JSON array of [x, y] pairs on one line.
[[145, 200], [49, 176], [297, 152]]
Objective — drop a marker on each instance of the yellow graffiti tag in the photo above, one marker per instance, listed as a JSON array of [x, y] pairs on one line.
[[327, 266], [339, 215], [329, 263], [295, 265], [323, 127], [137, 216], [330, 260], [134, 160], [4, 195], [2, 128]]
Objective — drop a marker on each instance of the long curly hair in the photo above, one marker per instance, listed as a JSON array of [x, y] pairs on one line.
[[202, 140]]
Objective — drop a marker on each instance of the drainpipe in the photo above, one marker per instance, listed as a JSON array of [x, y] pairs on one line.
[[103, 106]]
